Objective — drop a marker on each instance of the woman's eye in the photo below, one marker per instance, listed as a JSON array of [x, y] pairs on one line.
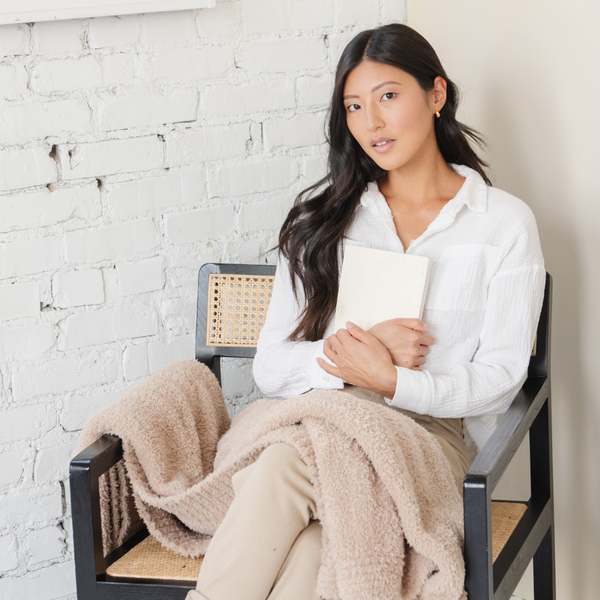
[[389, 95], [353, 107]]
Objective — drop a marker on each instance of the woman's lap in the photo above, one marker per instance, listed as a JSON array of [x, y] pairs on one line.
[[448, 432]]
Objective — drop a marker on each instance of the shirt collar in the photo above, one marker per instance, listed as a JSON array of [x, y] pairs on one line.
[[473, 194]]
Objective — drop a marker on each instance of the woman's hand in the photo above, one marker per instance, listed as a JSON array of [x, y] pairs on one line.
[[406, 340], [361, 359]]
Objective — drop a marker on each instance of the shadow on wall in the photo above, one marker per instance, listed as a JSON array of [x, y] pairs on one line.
[[572, 428]]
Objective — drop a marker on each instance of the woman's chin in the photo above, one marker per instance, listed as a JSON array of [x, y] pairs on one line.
[[388, 163]]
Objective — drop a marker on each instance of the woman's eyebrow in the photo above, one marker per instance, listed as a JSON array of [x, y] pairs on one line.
[[384, 83], [374, 89]]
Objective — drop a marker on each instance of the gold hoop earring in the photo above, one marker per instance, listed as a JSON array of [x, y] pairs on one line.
[[437, 114]]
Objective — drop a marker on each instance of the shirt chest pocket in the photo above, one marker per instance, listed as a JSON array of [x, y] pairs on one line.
[[459, 278]]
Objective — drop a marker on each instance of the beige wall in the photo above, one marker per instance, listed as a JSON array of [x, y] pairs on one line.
[[530, 75]]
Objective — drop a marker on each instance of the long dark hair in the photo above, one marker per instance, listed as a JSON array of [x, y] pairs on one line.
[[310, 238]]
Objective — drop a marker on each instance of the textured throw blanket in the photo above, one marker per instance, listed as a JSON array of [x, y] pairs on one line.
[[391, 514]]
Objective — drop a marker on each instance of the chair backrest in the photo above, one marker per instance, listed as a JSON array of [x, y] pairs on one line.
[[232, 306], [539, 364], [233, 302]]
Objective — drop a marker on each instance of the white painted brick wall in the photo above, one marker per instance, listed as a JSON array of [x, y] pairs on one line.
[[8, 553], [40, 209], [78, 408], [133, 150], [256, 96], [46, 118], [165, 27], [208, 144], [108, 325], [46, 543], [25, 343], [112, 157], [15, 40], [82, 73], [52, 464], [314, 91], [259, 176], [19, 300], [11, 469], [135, 362], [26, 422], [25, 168], [138, 110], [59, 37], [162, 353], [190, 65], [283, 55], [111, 242], [60, 375], [144, 195], [142, 276], [298, 132], [201, 224], [50, 583], [78, 288], [29, 256], [13, 80], [109, 32]]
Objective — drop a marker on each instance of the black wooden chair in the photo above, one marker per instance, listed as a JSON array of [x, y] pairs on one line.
[[500, 537]]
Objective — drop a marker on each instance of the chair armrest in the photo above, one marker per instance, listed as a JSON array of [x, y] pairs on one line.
[[482, 574], [85, 470], [494, 457], [100, 456]]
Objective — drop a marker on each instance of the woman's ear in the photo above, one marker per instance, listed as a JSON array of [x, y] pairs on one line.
[[438, 93]]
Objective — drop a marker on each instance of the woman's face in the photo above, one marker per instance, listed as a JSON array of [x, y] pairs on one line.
[[390, 115]]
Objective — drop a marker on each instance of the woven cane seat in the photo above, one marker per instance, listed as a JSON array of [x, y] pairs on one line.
[[505, 517], [149, 560]]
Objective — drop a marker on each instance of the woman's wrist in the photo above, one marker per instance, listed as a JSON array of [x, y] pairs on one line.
[[386, 383]]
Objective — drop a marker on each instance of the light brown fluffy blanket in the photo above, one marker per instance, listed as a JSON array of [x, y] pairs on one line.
[[391, 515]]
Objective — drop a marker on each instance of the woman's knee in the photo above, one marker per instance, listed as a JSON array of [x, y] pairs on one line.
[[278, 464], [280, 461]]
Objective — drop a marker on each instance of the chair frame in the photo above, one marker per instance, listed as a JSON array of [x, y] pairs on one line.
[[485, 579]]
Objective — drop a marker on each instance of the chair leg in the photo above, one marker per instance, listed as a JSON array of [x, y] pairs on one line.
[[544, 587]]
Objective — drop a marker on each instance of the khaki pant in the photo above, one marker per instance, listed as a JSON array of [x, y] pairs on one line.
[[269, 543]]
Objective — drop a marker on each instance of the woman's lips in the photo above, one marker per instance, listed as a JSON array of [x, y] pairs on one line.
[[384, 144]]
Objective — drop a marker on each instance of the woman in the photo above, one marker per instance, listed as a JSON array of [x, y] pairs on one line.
[[402, 177]]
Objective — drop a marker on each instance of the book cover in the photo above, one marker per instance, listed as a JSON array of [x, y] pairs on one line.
[[377, 285]]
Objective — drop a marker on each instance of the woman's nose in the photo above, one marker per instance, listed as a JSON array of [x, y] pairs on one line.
[[374, 120]]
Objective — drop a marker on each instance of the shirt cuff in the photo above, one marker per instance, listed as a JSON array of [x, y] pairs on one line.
[[409, 392], [319, 378]]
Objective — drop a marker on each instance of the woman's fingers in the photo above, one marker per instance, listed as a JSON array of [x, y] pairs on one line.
[[426, 339], [418, 361], [329, 347], [415, 324], [328, 368], [357, 332]]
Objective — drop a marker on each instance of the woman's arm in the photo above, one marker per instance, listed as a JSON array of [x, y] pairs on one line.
[[284, 368], [281, 367]]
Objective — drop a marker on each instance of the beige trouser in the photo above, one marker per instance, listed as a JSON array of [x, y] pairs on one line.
[[269, 543]]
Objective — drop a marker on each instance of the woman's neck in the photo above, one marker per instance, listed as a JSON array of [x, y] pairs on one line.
[[416, 186], [417, 193]]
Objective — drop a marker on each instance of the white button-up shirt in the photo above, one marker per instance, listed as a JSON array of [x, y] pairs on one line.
[[483, 303]]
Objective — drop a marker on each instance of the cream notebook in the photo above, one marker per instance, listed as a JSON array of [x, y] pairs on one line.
[[377, 285]]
